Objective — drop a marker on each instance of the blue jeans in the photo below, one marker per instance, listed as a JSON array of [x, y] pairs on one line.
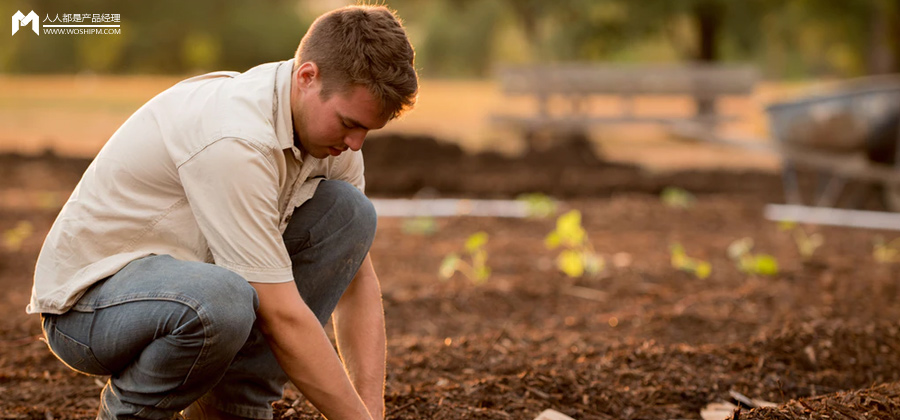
[[170, 332]]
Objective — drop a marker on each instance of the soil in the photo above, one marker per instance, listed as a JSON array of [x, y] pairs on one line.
[[639, 340]]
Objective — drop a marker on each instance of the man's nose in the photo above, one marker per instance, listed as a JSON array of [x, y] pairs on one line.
[[355, 139]]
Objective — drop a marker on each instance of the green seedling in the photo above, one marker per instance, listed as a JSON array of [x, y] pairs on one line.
[[677, 198], [13, 238], [47, 200], [578, 256], [472, 264], [806, 243], [538, 205], [680, 261], [886, 252], [422, 225], [740, 251]]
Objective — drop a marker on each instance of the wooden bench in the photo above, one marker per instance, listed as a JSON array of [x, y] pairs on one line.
[[578, 83]]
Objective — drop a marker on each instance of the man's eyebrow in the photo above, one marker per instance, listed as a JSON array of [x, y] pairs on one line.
[[355, 123]]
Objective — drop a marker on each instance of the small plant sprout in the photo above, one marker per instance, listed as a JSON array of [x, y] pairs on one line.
[[13, 238], [886, 252], [740, 251], [578, 256], [680, 261], [806, 243], [422, 225], [476, 268], [538, 205], [677, 198]]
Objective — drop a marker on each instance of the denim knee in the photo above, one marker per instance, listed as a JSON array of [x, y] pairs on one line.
[[327, 238], [227, 303], [336, 208], [349, 202]]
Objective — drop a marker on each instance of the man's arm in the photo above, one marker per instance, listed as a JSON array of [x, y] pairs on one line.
[[359, 328], [305, 353], [237, 212]]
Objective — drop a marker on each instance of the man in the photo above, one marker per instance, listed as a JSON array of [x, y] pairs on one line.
[[208, 243]]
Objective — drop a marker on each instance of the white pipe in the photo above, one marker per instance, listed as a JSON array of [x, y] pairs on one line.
[[449, 207], [833, 217]]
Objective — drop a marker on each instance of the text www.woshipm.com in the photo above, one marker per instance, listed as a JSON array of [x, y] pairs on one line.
[[82, 31]]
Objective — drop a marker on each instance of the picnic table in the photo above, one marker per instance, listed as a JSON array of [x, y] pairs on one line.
[[578, 83]]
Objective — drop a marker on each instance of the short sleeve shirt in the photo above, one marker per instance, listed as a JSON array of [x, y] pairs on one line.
[[205, 171]]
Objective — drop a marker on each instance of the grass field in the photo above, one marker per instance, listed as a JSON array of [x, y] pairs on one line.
[[74, 116]]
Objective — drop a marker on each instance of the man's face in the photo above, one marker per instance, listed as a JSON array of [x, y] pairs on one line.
[[340, 122]]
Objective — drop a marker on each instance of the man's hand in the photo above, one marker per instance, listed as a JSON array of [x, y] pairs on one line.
[[305, 353], [359, 328]]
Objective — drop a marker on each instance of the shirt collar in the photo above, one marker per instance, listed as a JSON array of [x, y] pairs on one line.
[[284, 123]]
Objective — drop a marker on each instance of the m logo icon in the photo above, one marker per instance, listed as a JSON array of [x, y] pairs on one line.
[[19, 20]]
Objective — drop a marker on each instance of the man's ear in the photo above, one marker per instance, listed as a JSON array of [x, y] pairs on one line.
[[306, 74]]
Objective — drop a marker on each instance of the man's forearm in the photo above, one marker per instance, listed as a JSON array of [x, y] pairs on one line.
[[359, 328], [305, 353], [363, 352]]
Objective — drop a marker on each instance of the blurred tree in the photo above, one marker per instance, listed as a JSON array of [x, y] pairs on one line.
[[201, 51], [457, 40], [582, 30], [846, 38], [165, 36], [567, 30], [698, 30], [868, 27], [800, 37], [99, 54], [529, 13], [465, 38]]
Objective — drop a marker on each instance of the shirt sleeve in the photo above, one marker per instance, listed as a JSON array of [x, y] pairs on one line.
[[232, 188]]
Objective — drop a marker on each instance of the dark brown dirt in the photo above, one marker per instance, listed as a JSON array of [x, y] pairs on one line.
[[878, 402], [820, 337], [401, 166]]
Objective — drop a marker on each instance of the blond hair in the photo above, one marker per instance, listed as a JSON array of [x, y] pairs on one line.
[[363, 45]]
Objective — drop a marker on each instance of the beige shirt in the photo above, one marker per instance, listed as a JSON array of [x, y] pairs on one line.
[[205, 171]]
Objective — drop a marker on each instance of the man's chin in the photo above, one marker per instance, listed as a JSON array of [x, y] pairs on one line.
[[325, 152], [320, 154]]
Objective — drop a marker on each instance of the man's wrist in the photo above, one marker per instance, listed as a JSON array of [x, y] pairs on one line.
[[376, 407]]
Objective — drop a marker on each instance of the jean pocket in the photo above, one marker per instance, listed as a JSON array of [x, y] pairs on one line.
[[74, 354]]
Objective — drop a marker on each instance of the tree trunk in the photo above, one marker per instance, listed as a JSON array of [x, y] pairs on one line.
[[896, 37], [708, 17], [880, 57]]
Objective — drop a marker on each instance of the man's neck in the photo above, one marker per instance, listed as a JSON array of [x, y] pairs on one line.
[[299, 146]]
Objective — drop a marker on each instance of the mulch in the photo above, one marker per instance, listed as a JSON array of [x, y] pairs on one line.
[[819, 338]]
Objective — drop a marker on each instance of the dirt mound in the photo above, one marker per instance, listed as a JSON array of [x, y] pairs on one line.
[[394, 149], [879, 402], [403, 165], [43, 172], [513, 375]]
